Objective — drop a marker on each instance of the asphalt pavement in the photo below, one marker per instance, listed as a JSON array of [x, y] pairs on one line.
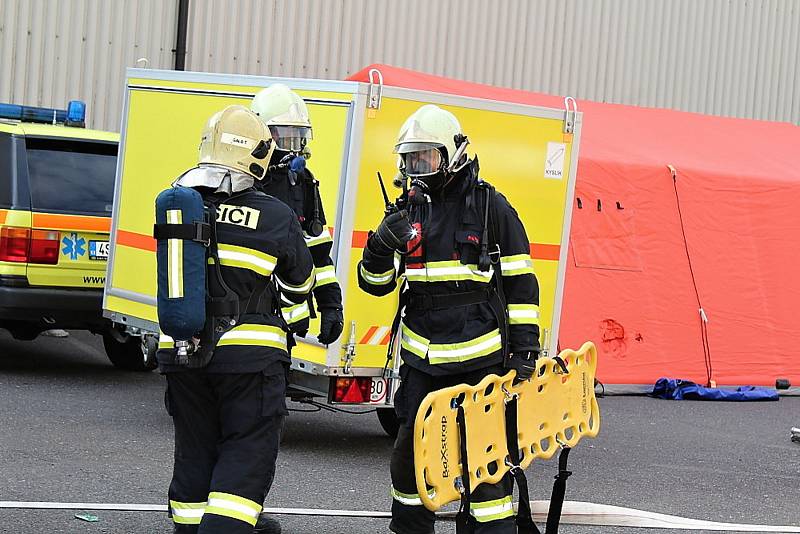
[[74, 429]]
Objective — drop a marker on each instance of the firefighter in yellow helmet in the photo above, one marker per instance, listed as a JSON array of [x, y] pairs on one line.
[[470, 304], [289, 180], [227, 399]]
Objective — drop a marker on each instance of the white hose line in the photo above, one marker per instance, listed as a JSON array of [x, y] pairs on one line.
[[573, 513], [35, 505], [586, 513], [126, 507]]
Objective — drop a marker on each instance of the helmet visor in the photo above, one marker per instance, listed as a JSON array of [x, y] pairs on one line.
[[422, 162], [290, 138]]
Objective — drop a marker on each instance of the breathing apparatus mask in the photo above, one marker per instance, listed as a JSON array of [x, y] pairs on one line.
[[424, 171], [290, 147], [427, 166]]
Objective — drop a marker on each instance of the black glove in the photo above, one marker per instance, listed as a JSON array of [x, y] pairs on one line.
[[300, 328], [392, 234], [524, 363], [330, 325]]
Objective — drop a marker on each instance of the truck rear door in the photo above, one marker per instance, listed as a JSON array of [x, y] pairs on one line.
[[163, 120]]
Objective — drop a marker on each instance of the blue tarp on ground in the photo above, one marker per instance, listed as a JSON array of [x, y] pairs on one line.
[[676, 389]]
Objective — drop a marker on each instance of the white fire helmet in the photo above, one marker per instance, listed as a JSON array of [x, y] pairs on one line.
[[427, 142], [286, 115]]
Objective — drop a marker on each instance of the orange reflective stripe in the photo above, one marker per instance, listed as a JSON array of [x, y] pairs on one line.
[[3, 214], [539, 251], [359, 239], [545, 251], [72, 222], [136, 240]]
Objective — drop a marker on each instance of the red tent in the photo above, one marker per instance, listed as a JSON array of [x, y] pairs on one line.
[[632, 285]]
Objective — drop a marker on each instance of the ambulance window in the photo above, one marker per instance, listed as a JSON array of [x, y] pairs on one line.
[[6, 170], [71, 176]]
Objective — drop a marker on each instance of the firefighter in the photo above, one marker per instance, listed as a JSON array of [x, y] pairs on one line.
[[469, 307], [228, 413], [289, 180]]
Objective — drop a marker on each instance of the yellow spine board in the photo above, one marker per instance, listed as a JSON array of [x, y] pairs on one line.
[[554, 409]]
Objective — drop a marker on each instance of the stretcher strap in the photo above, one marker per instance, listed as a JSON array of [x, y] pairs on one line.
[[525, 524], [559, 490], [465, 523]]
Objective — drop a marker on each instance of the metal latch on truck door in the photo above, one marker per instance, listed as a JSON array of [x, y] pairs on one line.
[[350, 348], [569, 117], [375, 92]]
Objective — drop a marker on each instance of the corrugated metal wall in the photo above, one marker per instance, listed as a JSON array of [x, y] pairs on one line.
[[727, 57], [53, 51]]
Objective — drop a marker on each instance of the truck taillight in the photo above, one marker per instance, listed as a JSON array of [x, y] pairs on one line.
[[14, 244], [44, 246], [351, 390]]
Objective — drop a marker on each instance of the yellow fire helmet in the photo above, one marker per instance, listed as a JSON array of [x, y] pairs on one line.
[[426, 143], [237, 139], [286, 115]]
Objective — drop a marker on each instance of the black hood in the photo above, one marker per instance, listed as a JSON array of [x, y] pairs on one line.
[[463, 180]]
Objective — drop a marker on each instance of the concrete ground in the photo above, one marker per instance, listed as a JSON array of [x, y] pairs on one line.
[[74, 429]]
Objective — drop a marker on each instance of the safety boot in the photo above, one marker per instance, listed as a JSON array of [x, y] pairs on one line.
[[267, 524]]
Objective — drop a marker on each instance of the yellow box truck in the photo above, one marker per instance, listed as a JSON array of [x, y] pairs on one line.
[[528, 153]]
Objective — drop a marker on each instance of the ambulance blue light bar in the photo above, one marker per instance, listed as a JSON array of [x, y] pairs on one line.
[[74, 115]]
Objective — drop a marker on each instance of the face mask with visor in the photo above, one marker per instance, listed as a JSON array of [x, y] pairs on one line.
[[290, 138]]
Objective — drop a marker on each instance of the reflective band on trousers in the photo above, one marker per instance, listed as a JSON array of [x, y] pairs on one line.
[[324, 237], [165, 342], [492, 510], [409, 499], [523, 314], [233, 506], [446, 271], [246, 258], [516, 265], [377, 279], [301, 288], [324, 275], [254, 334], [187, 513], [174, 258], [298, 312]]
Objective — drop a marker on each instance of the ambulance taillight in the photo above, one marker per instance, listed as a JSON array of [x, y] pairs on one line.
[[351, 390], [44, 247], [21, 245], [14, 244]]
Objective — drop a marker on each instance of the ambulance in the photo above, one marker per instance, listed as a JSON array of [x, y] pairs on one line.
[[529, 153], [56, 189]]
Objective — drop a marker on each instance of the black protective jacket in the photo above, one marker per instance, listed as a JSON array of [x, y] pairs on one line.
[[258, 237], [300, 193], [440, 337]]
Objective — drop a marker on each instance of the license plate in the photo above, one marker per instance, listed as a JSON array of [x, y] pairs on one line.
[[98, 250], [377, 393]]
